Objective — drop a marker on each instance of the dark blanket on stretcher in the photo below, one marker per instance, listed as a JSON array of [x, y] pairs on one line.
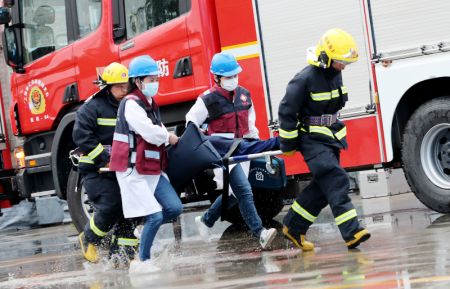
[[196, 152]]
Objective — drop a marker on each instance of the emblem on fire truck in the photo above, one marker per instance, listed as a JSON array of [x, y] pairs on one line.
[[36, 92]]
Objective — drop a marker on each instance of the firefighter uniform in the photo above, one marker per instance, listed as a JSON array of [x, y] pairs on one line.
[[93, 134], [309, 123]]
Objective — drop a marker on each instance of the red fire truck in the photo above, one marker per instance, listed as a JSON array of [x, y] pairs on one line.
[[7, 172], [399, 108]]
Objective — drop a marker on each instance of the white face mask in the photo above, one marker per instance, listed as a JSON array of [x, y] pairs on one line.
[[150, 89], [229, 84]]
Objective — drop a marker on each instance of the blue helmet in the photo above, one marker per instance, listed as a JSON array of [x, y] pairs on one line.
[[224, 64], [143, 66]]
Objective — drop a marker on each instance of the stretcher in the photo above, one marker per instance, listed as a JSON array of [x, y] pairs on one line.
[[195, 156]]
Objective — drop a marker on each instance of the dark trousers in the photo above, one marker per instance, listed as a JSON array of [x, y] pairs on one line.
[[329, 185], [104, 192]]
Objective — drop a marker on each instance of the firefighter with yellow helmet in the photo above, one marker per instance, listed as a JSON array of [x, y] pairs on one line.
[[309, 123], [93, 134]]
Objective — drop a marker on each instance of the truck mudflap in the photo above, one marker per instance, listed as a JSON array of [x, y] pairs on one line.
[[22, 182]]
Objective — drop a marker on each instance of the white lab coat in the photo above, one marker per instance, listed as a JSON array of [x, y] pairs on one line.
[[138, 191], [198, 115]]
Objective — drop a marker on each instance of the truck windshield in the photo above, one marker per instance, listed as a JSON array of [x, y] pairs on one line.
[[45, 27]]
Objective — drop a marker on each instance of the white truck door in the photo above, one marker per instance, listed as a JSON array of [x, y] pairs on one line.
[[409, 24], [289, 27], [415, 35]]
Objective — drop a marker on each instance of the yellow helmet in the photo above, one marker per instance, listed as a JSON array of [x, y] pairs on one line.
[[115, 73], [336, 44]]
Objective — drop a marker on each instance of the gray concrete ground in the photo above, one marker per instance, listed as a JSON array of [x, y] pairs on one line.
[[409, 248]]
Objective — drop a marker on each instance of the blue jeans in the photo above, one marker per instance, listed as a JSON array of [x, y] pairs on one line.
[[244, 198], [171, 208]]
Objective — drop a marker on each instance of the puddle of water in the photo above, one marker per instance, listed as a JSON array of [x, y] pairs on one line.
[[409, 248]]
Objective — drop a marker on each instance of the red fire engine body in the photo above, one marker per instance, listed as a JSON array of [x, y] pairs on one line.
[[53, 74]]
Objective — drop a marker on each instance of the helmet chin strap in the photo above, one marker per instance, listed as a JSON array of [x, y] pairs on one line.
[[321, 62], [324, 60], [318, 59]]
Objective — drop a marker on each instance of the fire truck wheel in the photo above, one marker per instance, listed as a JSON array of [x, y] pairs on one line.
[[79, 206], [268, 203], [12, 196], [426, 154]]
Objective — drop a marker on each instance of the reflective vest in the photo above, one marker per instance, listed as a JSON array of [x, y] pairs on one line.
[[129, 149], [226, 115]]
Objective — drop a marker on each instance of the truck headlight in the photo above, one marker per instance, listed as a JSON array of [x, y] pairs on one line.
[[20, 157]]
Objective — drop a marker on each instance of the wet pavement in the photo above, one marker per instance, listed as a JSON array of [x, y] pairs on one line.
[[409, 248]]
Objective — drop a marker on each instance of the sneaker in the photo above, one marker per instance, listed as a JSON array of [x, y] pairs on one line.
[[89, 250], [202, 228], [361, 236], [138, 231], [266, 237], [164, 261], [300, 243], [143, 267]]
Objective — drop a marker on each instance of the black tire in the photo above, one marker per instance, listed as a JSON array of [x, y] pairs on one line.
[[13, 196], [76, 196], [426, 154], [268, 203]]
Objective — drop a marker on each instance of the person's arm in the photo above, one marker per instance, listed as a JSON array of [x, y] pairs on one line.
[[138, 121], [198, 113], [85, 138], [287, 113], [253, 131]]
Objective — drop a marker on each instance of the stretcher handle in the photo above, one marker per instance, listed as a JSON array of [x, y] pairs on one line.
[[235, 159], [239, 159]]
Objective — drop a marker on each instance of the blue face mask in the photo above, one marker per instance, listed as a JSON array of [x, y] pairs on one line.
[[150, 89]]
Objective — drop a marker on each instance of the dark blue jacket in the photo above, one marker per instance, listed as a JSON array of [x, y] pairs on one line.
[[94, 129]]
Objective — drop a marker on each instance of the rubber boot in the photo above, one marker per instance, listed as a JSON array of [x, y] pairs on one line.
[[361, 236], [89, 250], [300, 242]]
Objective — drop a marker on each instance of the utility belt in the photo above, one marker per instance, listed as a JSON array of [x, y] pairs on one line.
[[323, 120]]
